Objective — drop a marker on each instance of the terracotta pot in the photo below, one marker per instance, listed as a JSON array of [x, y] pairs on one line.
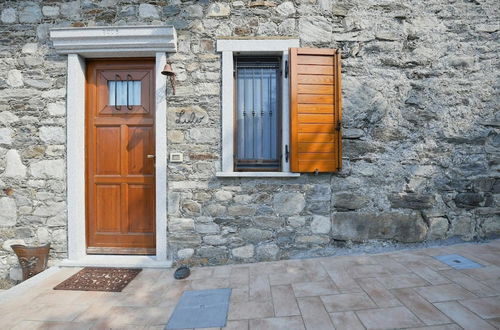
[[33, 260]]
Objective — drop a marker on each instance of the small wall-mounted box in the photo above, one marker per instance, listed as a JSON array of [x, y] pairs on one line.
[[176, 157]]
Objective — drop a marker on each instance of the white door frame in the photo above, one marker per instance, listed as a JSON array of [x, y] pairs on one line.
[[111, 42]]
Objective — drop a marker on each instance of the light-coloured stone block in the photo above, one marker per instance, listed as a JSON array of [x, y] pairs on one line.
[[15, 168], [8, 215]]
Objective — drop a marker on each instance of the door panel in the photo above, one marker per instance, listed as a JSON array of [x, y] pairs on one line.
[[120, 134]]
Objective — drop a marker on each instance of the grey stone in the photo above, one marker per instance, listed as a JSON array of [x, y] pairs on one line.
[[6, 135], [359, 227], [70, 9], [320, 224], [30, 48], [50, 11], [315, 29], [312, 239], [50, 209], [207, 228], [191, 207], [147, 10], [244, 252], [352, 133], [438, 227], [6, 245], [269, 222], [413, 201], [173, 200], [8, 216], [255, 235], [219, 9], [285, 203], [297, 221], [223, 195], [286, 8], [204, 135], [468, 200], [462, 226], [349, 201], [15, 168], [16, 274], [180, 224], [57, 221], [212, 252], [241, 210], [52, 135], [267, 29], [31, 13], [56, 109], [9, 15], [193, 11], [15, 78], [48, 169], [43, 235], [267, 252], [184, 254], [214, 240], [215, 210]]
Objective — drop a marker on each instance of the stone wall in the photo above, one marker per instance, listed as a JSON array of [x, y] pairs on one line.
[[421, 143]]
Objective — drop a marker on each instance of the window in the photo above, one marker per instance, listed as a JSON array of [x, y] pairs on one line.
[[124, 92], [258, 114], [281, 108]]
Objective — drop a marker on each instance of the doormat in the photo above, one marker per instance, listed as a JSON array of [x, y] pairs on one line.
[[99, 279], [201, 309], [458, 262]]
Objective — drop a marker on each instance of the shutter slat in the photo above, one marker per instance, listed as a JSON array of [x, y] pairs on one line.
[[315, 110]]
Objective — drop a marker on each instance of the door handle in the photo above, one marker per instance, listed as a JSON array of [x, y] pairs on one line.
[[150, 156]]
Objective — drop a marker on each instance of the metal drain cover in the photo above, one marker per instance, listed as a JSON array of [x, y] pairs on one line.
[[201, 309], [458, 262]]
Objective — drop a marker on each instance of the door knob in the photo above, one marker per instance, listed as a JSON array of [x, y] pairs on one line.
[[150, 156]]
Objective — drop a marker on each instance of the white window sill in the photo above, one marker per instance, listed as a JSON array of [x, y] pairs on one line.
[[257, 175]]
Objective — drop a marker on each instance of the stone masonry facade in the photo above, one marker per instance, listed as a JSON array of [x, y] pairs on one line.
[[420, 130]]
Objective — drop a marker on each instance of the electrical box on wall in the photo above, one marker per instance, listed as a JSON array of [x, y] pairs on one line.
[[176, 157]]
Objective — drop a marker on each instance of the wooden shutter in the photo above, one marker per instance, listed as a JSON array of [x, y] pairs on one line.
[[315, 110]]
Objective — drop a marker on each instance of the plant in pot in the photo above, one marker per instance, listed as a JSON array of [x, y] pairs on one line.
[[33, 259]]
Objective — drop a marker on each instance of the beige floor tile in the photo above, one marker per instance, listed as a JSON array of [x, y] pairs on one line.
[[391, 265], [379, 294], [347, 302], [284, 301], [487, 308], [240, 294], [236, 325], [484, 273], [289, 277], [239, 277], [428, 274], [57, 313], [210, 283], [462, 316], [277, 323], [445, 292], [495, 322], [451, 326], [402, 281], [222, 271], [314, 313], [198, 273], [368, 271], [94, 313], [493, 284], [125, 316], [41, 325], [346, 321], [243, 310], [308, 289], [343, 281], [388, 318], [424, 310], [469, 283], [259, 288]]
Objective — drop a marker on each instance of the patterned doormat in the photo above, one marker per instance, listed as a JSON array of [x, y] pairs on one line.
[[99, 279]]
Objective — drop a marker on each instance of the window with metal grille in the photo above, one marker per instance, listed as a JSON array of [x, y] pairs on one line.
[[258, 114]]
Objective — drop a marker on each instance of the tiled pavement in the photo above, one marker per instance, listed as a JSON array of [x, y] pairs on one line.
[[407, 289]]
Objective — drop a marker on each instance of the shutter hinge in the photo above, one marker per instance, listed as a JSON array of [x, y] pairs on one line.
[[286, 69], [287, 153], [339, 125]]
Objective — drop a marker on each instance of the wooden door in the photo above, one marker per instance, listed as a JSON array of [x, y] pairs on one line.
[[120, 145]]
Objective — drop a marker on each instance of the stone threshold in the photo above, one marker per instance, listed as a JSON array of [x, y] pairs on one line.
[[116, 261]]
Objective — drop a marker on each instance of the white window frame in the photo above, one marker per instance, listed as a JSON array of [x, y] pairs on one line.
[[252, 47]]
